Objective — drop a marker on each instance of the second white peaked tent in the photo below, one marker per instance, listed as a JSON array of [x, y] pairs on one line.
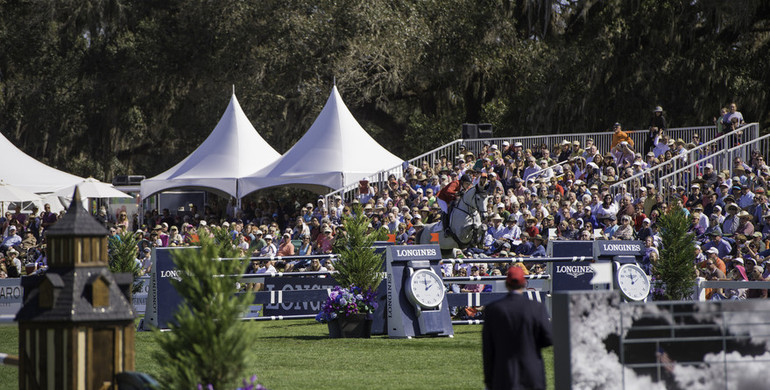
[[335, 152], [233, 150]]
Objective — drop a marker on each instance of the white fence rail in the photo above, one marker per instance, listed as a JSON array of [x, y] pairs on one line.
[[684, 161], [721, 160], [702, 285]]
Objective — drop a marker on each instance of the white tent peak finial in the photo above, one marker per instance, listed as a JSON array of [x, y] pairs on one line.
[[233, 89], [335, 81]]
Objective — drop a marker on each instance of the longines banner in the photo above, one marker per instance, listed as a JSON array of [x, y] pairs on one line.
[[572, 275], [163, 299], [297, 284], [618, 248]]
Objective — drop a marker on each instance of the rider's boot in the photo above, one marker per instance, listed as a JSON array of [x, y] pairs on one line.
[[445, 223]]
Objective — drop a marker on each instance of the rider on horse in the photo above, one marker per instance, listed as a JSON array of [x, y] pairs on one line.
[[448, 196]]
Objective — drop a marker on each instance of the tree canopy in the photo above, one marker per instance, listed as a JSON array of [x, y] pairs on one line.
[[100, 88]]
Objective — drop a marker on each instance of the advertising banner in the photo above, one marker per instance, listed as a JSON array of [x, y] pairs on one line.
[[11, 295], [572, 275]]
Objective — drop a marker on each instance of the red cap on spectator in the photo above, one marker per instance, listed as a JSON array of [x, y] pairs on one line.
[[515, 278]]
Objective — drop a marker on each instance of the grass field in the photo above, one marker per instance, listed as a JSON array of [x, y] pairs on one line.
[[299, 355]]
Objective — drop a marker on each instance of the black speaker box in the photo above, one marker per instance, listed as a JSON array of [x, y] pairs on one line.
[[485, 130], [470, 131]]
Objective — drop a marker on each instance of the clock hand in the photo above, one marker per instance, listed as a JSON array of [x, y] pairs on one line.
[[427, 286]]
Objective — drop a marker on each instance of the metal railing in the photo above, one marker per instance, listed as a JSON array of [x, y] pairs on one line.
[[679, 162], [689, 173], [702, 284], [720, 160], [602, 140], [745, 149]]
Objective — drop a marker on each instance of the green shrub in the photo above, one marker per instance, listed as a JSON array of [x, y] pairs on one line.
[[208, 344], [675, 268], [358, 265], [123, 252]]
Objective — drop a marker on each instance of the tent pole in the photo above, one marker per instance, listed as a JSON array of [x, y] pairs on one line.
[[237, 200]]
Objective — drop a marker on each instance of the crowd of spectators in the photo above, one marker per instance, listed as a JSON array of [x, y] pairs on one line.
[[550, 192], [22, 250]]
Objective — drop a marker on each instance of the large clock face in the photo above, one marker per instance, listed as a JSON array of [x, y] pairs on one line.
[[426, 288], [633, 282]]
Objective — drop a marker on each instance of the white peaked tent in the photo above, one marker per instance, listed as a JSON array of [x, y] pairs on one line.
[[20, 170], [233, 150], [335, 152]]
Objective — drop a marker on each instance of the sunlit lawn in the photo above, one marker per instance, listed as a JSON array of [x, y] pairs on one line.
[[299, 355]]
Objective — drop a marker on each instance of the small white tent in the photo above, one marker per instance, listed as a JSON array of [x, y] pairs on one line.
[[20, 170], [233, 150], [335, 152]]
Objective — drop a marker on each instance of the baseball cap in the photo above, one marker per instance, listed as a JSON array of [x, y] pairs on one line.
[[515, 278]]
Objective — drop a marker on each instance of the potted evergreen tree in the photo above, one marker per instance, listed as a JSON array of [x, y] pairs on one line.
[[122, 254], [675, 271], [349, 308]]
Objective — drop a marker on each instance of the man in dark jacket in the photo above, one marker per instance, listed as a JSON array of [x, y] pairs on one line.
[[515, 330]]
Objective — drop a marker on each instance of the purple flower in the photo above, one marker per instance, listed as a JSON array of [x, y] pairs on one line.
[[346, 302]]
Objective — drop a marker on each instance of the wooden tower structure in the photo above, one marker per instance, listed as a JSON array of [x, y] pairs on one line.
[[76, 327]]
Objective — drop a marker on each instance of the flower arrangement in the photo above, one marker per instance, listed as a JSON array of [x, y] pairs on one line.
[[657, 289], [344, 302]]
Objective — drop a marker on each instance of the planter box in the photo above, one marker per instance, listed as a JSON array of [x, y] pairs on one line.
[[355, 326]]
